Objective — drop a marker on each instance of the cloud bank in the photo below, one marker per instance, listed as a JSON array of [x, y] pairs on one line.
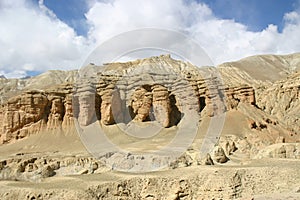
[[32, 38]]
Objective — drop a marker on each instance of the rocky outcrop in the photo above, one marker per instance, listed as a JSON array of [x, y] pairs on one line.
[[280, 150], [161, 105], [23, 115], [152, 104], [68, 120], [84, 103], [261, 123], [141, 104], [235, 95], [56, 112], [282, 100], [219, 155], [206, 160], [155, 89], [40, 167], [36, 111]]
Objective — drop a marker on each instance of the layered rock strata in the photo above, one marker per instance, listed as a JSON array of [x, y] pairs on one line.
[[157, 89]]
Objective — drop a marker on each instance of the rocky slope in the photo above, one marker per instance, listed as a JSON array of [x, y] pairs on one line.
[[257, 96], [261, 69]]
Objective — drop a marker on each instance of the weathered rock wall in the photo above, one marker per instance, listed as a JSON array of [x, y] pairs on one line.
[[114, 99], [282, 100]]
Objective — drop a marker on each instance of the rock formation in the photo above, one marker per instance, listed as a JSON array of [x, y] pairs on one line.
[[260, 106], [117, 95], [23, 115], [219, 155]]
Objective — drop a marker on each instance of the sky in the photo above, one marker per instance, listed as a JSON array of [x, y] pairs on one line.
[[40, 35]]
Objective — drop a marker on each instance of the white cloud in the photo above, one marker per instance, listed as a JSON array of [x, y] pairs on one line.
[[292, 17], [223, 40], [32, 38]]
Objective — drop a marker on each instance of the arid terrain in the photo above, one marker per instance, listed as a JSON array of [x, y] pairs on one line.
[[230, 131]]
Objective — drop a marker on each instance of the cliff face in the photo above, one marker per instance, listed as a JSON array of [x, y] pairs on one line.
[[35, 111], [282, 100], [38, 137], [145, 96], [154, 89]]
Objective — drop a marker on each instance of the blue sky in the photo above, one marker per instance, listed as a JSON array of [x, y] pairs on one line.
[[39, 35], [71, 12], [256, 14]]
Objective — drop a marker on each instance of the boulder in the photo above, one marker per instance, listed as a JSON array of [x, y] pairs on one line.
[[219, 155]]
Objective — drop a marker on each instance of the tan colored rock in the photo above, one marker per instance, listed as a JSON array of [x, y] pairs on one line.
[[111, 107], [56, 113], [85, 96], [280, 139], [280, 150], [230, 147], [219, 155], [141, 103], [206, 160], [47, 171], [282, 100], [167, 89], [235, 95], [83, 171], [184, 160], [31, 167], [161, 105], [21, 112], [272, 110], [68, 120]]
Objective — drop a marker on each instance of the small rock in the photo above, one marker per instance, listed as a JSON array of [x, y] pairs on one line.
[[47, 171], [230, 147], [219, 155], [280, 139], [94, 166], [206, 160], [83, 171]]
